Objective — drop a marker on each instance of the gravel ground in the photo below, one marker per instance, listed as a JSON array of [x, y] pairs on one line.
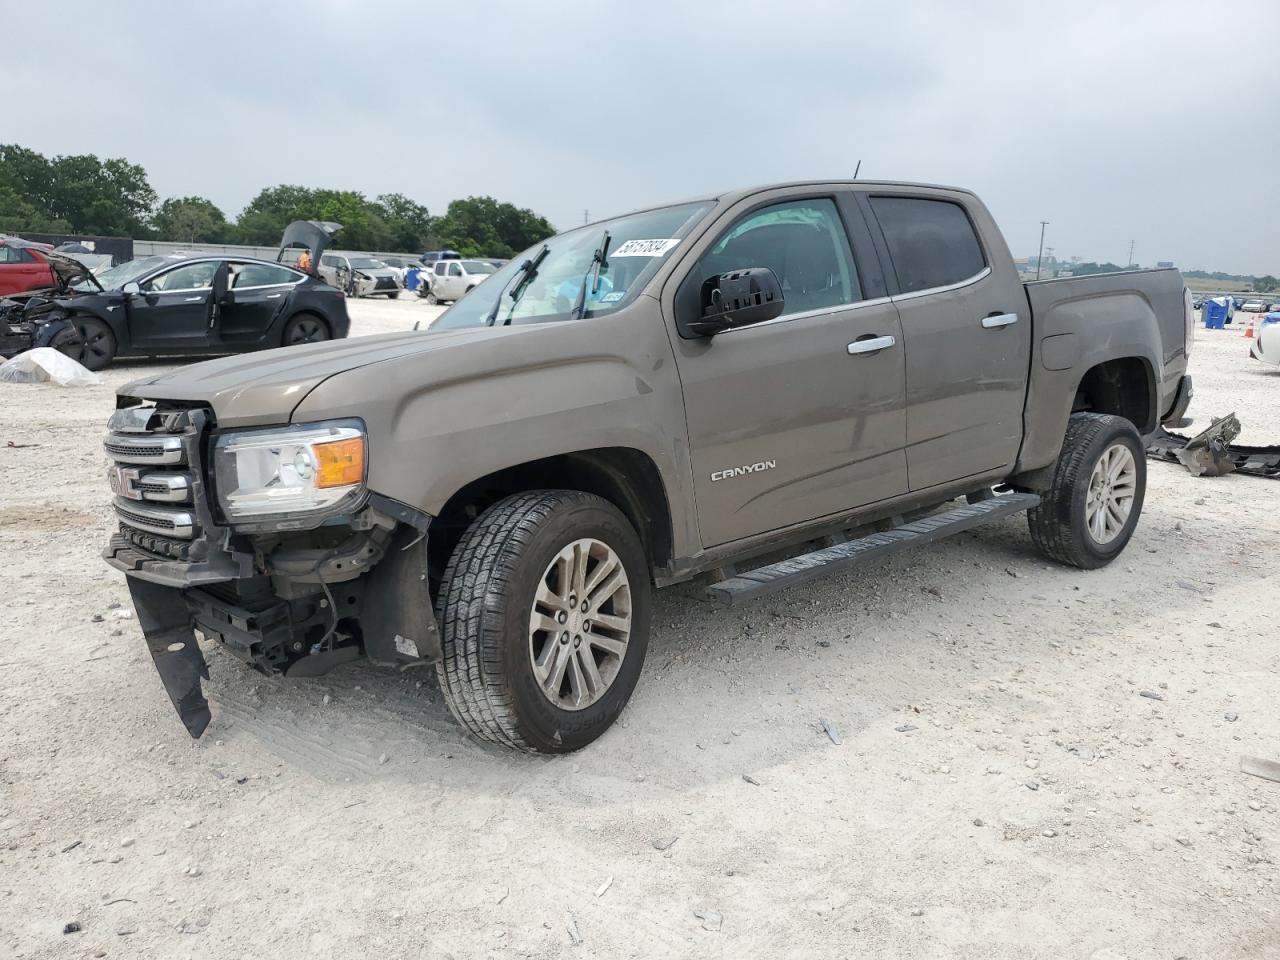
[[1025, 761]]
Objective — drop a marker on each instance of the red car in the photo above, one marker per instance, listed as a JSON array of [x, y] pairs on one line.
[[23, 266]]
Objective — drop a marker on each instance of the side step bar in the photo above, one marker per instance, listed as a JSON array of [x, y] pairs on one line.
[[809, 566]]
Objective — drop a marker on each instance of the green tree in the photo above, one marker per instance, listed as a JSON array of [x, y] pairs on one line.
[[483, 226], [410, 222], [274, 208], [1266, 284], [86, 194], [190, 220]]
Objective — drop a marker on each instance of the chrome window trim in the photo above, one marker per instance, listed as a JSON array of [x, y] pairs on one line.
[[980, 275], [805, 314]]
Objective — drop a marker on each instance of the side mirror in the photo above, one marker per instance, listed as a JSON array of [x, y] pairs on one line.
[[131, 289], [737, 299]]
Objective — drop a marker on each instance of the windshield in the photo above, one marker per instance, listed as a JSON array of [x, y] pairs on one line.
[[477, 266], [366, 263], [638, 245], [118, 276]]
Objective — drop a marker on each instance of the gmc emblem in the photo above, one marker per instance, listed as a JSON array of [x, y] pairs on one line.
[[124, 481]]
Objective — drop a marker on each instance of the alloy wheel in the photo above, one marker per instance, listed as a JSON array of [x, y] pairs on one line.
[[580, 624], [1112, 487]]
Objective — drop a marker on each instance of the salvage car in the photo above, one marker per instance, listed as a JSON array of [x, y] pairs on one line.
[[454, 279], [1265, 345], [180, 305], [24, 266], [360, 275], [825, 372]]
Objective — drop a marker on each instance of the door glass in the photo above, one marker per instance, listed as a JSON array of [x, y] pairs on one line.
[[931, 242], [455, 270], [193, 276], [803, 242], [262, 275]]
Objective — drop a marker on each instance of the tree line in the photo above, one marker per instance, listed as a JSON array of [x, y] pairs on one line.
[[83, 194]]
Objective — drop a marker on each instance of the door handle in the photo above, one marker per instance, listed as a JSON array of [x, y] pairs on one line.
[[274, 296], [999, 320], [192, 299], [871, 344]]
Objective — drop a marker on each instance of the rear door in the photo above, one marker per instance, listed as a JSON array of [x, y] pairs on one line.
[[967, 329], [259, 293], [794, 419], [173, 310]]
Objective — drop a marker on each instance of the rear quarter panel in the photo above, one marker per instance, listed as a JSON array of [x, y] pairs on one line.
[[1081, 322]]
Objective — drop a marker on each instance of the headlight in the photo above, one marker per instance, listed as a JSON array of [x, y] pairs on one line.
[[290, 478]]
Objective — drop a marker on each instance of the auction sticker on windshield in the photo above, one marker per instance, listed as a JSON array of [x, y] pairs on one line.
[[644, 248]]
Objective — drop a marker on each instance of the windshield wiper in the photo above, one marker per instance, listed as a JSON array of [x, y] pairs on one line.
[[599, 261], [522, 278]]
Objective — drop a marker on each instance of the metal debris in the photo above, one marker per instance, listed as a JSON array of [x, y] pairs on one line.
[[1257, 767], [751, 780], [830, 730], [1151, 695], [571, 925], [1211, 452], [600, 891], [664, 843]]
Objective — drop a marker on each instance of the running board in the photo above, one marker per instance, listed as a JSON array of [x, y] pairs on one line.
[[809, 566]]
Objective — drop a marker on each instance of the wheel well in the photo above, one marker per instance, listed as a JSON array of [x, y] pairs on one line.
[[1124, 388], [626, 478]]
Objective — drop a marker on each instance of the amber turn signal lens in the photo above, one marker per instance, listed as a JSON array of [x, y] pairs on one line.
[[340, 463]]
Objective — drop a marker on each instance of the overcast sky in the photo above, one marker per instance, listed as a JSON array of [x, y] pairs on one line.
[[1153, 122]]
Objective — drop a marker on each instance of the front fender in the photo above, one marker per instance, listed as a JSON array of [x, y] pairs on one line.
[[440, 419]]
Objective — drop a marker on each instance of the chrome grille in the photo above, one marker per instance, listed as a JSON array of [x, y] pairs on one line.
[[154, 470]]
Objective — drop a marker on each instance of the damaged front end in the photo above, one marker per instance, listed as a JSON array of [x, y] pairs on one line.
[[266, 541]]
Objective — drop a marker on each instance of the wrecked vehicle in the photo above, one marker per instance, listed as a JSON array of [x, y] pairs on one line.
[[825, 371], [180, 305], [1265, 345]]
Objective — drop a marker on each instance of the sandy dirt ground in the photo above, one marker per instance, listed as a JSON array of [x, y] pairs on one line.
[[1033, 762]]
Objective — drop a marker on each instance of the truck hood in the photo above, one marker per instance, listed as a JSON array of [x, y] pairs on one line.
[[264, 388]]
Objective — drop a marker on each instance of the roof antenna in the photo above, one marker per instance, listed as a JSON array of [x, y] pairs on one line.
[[856, 169]]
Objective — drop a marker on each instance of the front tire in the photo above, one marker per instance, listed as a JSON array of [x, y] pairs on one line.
[[432, 299], [544, 611], [87, 341], [394, 296], [1089, 513]]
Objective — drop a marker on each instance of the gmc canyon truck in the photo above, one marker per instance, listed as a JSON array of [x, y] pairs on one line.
[[763, 385]]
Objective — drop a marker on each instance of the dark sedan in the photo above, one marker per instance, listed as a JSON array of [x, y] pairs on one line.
[[189, 304]]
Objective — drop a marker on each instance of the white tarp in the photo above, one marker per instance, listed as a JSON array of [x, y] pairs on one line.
[[47, 365]]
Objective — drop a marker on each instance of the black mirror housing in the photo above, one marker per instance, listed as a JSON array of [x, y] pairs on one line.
[[737, 299]]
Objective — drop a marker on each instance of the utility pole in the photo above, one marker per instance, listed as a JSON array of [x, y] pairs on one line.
[[586, 216], [1040, 255], [1130, 263]]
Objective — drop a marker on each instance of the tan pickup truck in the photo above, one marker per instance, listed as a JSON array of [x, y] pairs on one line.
[[763, 385]]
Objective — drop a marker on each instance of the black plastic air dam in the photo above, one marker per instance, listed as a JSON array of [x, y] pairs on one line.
[[167, 626]]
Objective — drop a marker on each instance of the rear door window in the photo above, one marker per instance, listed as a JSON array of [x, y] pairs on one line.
[[932, 243], [263, 275]]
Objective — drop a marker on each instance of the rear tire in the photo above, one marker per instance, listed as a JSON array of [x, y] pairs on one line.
[[304, 328], [516, 635], [87, 341], [1089, 513]]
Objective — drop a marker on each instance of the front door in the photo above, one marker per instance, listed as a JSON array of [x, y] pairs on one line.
[[171, 313], [258, 292], [794, 419], [968, 338]]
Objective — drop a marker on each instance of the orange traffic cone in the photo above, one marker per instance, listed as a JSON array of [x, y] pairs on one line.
[[1248, 331]]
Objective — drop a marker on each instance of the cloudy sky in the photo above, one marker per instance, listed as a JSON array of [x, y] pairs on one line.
[[1154, 122]]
